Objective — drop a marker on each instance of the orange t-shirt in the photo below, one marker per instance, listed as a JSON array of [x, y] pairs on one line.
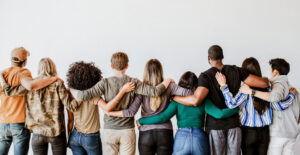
[[12, 109]]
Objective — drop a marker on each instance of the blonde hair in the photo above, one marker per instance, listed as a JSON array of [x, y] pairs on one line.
[[47, 68], [153, 75], [119, 60]]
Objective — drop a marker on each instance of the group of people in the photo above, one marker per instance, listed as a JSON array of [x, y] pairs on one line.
[[227, 110]]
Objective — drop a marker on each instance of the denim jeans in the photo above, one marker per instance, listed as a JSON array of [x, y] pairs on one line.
[[190, 141], [40, 143], [85, 144], [14, 133]]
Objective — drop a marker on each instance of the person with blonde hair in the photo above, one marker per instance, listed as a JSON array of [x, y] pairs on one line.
[[155, 138], [45, 110], [12, 109], [118, 136]]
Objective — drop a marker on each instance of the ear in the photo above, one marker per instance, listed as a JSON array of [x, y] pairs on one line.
[[127, 66], [112, 66], [276, 72]]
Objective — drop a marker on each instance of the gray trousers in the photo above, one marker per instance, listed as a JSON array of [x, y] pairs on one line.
[[225, 142]]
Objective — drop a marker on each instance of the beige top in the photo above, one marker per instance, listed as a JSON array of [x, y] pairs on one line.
[[87, 117]]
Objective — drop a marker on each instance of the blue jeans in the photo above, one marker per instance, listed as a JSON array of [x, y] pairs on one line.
[[190, 141], [82, 144], [14, 133]]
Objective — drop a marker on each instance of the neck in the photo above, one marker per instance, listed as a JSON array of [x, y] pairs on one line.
[[120, 73], [217, 64]]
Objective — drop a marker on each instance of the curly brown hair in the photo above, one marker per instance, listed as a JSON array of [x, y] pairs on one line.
[[82, 75]]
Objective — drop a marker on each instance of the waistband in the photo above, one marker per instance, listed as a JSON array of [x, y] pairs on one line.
[[190, 130]]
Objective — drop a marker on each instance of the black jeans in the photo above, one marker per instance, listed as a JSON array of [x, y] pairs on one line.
[[39, 144], [255, 140], [157, 141]]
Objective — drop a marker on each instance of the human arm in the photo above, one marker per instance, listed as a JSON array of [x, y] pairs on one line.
[[284, 104], [96, 91], [35, 84], [70, 122], [11, 91], [179, 91], [131, 111], [255, 81], [276, 94], [162, 118], [66, 98], [214, 111], [195, 99], [153, 91], [230, 101], [107, 107]]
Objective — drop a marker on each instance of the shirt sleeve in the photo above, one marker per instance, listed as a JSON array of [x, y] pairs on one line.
[[203, 81], [25, 74], [96, 91], [243, 73], [214, 111], [66, 98], [284, 104], [147, 90], [179, 91], [277, 93], [134, 107], [14, 91], [233, 102], [163, 117]]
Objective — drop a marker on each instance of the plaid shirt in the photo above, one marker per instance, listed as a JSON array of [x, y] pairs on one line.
[[45, 107]]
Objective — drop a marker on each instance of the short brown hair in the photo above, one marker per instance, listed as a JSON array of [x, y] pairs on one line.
[[215, 52], [119, 60]]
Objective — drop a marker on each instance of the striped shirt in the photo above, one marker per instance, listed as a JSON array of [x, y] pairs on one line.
[[248, 115]]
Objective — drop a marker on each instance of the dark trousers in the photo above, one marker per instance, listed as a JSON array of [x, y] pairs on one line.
[[158, 141], [39, 144], [255, 140]]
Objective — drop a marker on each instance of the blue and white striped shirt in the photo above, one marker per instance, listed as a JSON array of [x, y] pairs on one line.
[[248, 115]]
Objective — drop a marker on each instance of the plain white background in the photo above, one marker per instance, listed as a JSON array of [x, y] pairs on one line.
[[177, 32]]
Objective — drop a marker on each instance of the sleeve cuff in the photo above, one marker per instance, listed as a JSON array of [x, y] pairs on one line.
[[224, 88]]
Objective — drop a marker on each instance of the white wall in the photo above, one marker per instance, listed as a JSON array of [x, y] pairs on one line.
[[177, 32]]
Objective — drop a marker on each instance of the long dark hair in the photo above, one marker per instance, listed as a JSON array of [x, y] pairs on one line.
[[252, 66], [188, 80]]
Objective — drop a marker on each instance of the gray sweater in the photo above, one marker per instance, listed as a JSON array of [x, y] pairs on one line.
[[109, 88], [285, 123], [143, 100]]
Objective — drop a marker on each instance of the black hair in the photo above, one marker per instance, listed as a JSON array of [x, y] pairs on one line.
[[282, 66], [188, 80], [215, 52], [82, 75]]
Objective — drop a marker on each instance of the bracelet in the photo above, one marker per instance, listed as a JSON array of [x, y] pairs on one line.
[[253, 92]]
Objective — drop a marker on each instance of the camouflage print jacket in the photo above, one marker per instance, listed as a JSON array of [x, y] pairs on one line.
[[45, 107]]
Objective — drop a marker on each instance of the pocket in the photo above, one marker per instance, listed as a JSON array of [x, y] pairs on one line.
[[72, 138], [91, 142], [180, 142], [19, 130]]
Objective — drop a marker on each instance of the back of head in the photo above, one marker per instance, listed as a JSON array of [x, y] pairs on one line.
[[282, 66], [215, 52], [19, 56], [82, 75], [252, 66], [188, 80], [47, 68], [153, 72], [153, 75], [119, 61]]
